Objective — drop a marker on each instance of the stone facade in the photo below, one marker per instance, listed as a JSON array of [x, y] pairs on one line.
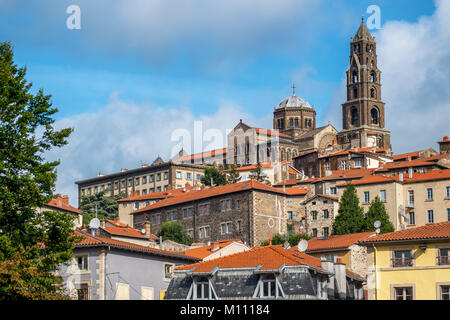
[[320, 212]]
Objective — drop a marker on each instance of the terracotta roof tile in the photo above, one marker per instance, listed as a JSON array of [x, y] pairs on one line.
[[90, 240], [205, 251], [211, 192], [127, 232], [431, 231], [369, 180], [202, 155], [268, 257], [62, 203], [348, 174], [294, 191], [336, 241], [270, 132]]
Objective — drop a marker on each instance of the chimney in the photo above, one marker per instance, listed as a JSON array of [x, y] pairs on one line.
[[270, 241], [215, 246], [341, 279], [328, 266], [59, 200], [408, 158], [103, 224], [147, 228], [65, 199]]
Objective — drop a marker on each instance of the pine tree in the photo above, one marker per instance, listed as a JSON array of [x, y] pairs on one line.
[[213, 176], [350, 218], [377, 212], [257, 173], [233, 175], [32, 243], [106, 206]]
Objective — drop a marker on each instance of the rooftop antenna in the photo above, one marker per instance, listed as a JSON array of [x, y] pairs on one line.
[[377, 225], [302, 245]]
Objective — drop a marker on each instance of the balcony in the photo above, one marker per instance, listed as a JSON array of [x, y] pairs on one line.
[[402, 262], [409, 204], [443, 260]]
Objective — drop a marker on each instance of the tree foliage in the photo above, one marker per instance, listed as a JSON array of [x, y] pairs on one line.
[[173, 230], [233, 175], [293, 239], [212, 174], [107, 207], [377, 212], [350, 218], [32, 243]]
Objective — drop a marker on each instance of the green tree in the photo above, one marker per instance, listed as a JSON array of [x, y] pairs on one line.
[[293, 239], [257, 173], [377, 212], [107, 207], [212, 174], [32, 243], [173, 230], [350, 218], [233, 175]]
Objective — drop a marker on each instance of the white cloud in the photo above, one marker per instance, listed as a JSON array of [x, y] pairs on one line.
[[122, 134], [414, 59]]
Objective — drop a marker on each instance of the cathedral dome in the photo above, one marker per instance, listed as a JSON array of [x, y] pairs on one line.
[[293, 102]]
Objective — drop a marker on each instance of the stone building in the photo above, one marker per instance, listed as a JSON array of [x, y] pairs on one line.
[[320, 212], [146, 179], [444, 145], [270, 272], [250, 210]]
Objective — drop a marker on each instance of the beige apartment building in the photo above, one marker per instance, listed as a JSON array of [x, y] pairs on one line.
[[411, 200], [147, 179]]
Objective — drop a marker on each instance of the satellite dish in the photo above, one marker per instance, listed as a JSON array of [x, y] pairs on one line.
[[143, 231], [94, 223], [302, 245], [377, 224], [378, 231]]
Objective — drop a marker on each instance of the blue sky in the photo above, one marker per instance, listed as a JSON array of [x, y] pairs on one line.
[[254, 71], [138, 70]]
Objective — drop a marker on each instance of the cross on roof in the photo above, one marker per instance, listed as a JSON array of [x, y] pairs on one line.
[[293, 89]]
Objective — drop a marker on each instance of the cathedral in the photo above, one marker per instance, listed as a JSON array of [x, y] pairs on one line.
[[296, 139]]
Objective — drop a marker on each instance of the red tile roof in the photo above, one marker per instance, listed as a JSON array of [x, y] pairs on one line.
[[428, 232], [203, 155], [90, 240], [348, 174], [157, 195], [369, 180], [296, 191], [211, 192], [268, 257], [205, 251], [335, 242], [421, 162], [413, 154], [62, 203], [269, 132], [127, 232], [290, 182], [344, 152], [427, 176], [253, 166]]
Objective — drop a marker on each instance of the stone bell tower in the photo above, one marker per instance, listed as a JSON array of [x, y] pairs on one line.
[[363, 114]]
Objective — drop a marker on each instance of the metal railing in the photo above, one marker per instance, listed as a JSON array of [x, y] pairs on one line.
[[442, 260], [402, 262]]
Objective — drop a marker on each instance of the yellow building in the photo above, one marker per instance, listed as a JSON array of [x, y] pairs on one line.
[[411, 264]]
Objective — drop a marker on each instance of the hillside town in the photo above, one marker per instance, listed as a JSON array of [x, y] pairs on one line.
[[267, 215], [289, 179]]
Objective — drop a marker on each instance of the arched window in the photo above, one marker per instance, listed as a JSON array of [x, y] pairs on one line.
[[355, 76], [374, 116], [373, 93], [354, 116], [373, 77], [288, 155], [355, 93]]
